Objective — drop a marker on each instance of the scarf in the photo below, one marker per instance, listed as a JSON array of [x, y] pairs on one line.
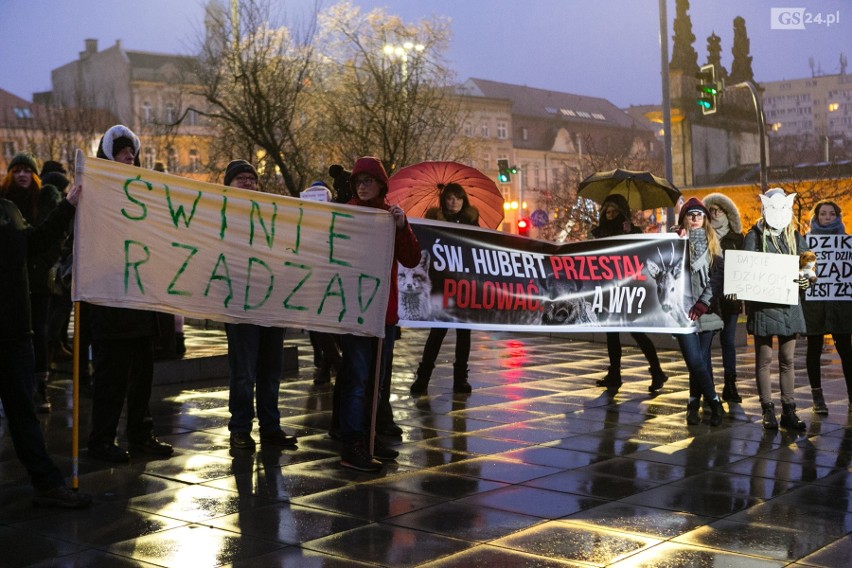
[[834, 228], [699, 260], [721, 225]]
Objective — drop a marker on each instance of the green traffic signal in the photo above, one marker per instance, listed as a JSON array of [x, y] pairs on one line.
[[503, 177], [708, 87]]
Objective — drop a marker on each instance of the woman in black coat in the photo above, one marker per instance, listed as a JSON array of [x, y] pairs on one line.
[[614, 222], [455, 208]]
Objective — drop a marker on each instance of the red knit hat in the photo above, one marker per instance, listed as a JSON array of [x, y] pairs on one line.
[[372, 167], [693, 204]]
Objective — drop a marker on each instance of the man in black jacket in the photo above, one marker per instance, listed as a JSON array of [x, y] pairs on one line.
[[122, 352], [17, 240]]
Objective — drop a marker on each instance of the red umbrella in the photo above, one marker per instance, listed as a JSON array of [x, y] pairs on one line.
[[415, 189]]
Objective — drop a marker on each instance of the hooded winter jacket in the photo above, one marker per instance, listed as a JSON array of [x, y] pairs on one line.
[[773, 319]]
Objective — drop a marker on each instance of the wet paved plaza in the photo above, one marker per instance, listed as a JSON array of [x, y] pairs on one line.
[[537, 467]]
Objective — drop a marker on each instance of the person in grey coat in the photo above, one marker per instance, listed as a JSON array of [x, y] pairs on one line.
[[834, 317], [706, 274], [775, 233]]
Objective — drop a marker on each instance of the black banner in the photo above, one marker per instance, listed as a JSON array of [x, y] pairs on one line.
[[481, 279]]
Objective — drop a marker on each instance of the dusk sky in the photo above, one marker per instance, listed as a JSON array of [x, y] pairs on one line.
[[602, 48]]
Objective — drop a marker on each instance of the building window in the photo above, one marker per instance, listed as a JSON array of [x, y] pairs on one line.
[[502, 130], [525, 134], [173, 160], [192, 117], [170, 113], [23, 112], [833, 107], [468, 130], [9, 149], [483, 130], [147, 112], [194, 162], [148, 158]]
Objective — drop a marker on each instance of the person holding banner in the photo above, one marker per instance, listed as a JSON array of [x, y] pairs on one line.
[[775, 233], [122, 352], [18, 240], [834, 317], [615, 221], [455, 208], [255, 363], [369, 184], [726, 222], [706, 266]]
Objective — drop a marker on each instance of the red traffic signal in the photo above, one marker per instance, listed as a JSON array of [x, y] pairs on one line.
[[524, 227]]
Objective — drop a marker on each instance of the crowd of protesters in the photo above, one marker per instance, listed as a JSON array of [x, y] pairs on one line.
[[35, 260]]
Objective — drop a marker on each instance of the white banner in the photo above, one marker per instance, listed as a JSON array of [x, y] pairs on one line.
[[762, 277], [153, 241], [834, 267]]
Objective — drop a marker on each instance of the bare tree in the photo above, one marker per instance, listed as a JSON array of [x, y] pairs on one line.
[[256, 78], [572, 217], [387, 91]]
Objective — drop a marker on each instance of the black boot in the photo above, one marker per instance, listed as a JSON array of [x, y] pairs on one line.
[[692, 417], [460, 383], [819, 401], [717, 412], [421, 379], [658, 379], [612, 381], [788, 417], [729, 391], [769, 420]]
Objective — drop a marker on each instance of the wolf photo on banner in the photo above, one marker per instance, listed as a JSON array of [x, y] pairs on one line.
[[475, 278]]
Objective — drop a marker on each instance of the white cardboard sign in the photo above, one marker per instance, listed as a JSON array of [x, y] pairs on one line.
[[762, 277]]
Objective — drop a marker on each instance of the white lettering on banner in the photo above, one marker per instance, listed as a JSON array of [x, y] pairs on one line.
[[833, 269], [153, 241], [476, 278]]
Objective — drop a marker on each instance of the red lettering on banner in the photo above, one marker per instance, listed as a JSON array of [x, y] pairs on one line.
[[597, 268], [489, 295]]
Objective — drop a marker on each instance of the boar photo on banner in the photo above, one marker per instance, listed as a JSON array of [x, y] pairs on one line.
[[153, 241], [476, 278]]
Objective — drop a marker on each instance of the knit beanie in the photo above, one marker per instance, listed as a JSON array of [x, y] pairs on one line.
[[55, 179], [52, 166], [24, 159], [693, 204], [236, 168], [372, 167]]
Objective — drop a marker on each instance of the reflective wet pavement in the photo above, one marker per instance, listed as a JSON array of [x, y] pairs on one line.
[[537, 467]]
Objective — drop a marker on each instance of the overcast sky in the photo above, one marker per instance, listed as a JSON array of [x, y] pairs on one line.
[[603, 48]]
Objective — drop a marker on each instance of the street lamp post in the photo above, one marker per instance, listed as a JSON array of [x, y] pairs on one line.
[[401, 52], [761, 128]]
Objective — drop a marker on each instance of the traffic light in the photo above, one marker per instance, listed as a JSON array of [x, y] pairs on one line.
[[708, 88], [524, 227], [503, 171]]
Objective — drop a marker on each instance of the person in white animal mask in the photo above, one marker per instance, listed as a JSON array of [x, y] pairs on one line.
[[775, 233]]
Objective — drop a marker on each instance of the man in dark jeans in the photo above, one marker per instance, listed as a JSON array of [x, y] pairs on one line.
[[254, 360], [17, 240]]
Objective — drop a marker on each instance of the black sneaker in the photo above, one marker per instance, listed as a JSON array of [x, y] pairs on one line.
[[356, 456], [658, 379], [108, 452], [242, 441], [62, 496], [277, 438], [384, 453], [151, 446]]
